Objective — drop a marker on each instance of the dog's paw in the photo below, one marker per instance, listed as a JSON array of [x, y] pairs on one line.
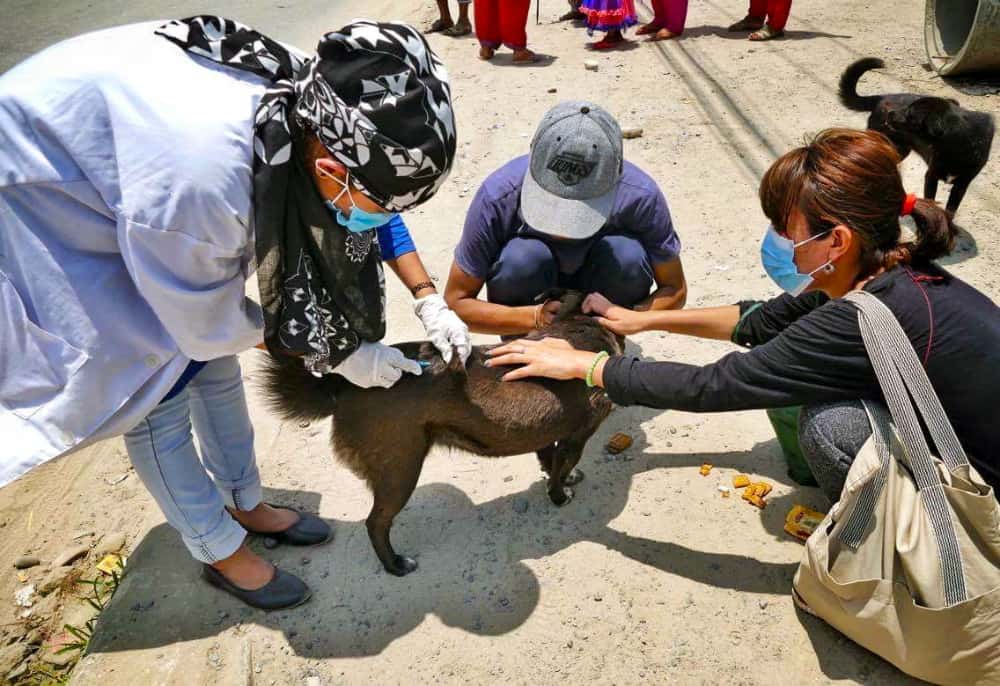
[[574, 477], [401, 565], [562, 496]]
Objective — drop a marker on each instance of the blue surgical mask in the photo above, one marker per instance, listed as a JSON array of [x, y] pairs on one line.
[[358, 221], [777, 254]]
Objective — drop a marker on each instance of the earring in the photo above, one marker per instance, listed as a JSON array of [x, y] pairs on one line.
[[829, 268]]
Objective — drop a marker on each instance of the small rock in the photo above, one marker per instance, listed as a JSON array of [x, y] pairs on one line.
[[312, 681], [54, 579], [631, 132], [306, 560], [270, 543], [25, 561], [34, 637], [763, 604], [506, 480], [553, 90], [598, 598], [590, 65], [520, 505], [69, 555], [111, 543], [23, 597]]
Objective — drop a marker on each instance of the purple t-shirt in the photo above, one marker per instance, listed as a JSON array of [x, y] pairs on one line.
[[494, 218]]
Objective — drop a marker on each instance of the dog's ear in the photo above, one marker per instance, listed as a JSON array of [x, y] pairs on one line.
[[928, 115], [571, 303]]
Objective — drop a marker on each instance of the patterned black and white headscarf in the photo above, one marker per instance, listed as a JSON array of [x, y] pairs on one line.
[[379, 100]]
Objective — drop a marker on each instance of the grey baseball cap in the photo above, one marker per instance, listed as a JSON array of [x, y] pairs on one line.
[[576, 164]]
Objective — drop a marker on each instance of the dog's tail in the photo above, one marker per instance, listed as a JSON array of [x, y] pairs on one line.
[[849, 85], [294, 393]]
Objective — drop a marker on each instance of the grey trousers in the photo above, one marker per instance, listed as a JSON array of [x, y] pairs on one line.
[[830, 436]]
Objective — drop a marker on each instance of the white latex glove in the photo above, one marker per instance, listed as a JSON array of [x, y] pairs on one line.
[[374, 364], [444, 328]]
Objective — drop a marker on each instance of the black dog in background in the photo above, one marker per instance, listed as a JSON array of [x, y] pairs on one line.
[[953, 141], [384, 434]]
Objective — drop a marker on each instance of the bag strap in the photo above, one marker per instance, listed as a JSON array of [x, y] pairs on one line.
[[886, 329], [856, 526], [915, 378], [878, 326]]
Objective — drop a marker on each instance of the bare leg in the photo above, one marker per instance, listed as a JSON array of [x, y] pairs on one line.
[[246, 569], [444, 21]]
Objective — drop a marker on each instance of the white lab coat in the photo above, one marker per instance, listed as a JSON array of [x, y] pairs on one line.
[[125, 234]]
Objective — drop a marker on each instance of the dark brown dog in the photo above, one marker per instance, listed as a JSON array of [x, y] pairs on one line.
[[383, 435], [954, 142]]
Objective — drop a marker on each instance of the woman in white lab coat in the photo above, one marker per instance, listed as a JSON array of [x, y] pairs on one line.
[[145, 172]]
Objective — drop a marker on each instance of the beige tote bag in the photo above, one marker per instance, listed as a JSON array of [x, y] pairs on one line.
[[907, 563]]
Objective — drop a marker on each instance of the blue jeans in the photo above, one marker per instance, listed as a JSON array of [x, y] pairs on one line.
[[616, 266], [192, 493]]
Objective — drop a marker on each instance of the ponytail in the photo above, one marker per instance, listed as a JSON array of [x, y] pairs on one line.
[[935, 237]]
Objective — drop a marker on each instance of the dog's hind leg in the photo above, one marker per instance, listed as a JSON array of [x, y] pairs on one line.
[[392, 489]]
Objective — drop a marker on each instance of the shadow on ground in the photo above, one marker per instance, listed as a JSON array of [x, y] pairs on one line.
[[724, 32], [472, 558]]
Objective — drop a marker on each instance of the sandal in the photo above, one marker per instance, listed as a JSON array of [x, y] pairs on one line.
[[438, 25], [457, 31], [647, 29], [524, 57], [747, 23], [766, 33]]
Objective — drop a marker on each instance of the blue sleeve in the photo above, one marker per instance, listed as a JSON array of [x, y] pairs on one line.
[[653, 223], [394, 239], [480, 245]]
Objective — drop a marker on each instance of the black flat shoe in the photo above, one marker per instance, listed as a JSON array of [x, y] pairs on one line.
[[309, 530], [280, 593]]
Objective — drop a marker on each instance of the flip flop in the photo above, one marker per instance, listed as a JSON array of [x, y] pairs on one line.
[[647, 29], [437, 26], [457, 31], [766, 33]]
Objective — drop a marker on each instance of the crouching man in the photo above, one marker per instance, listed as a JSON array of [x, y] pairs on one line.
[[572, 214]]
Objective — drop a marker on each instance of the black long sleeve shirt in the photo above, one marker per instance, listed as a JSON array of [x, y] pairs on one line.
[[809, 350]]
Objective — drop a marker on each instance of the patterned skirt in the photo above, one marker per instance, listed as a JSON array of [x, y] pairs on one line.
[[608, 15]]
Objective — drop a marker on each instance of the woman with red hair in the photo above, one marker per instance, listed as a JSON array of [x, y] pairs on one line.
[[834, 207]]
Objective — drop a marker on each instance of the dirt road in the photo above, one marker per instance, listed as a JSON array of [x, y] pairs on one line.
[[648, 576]]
